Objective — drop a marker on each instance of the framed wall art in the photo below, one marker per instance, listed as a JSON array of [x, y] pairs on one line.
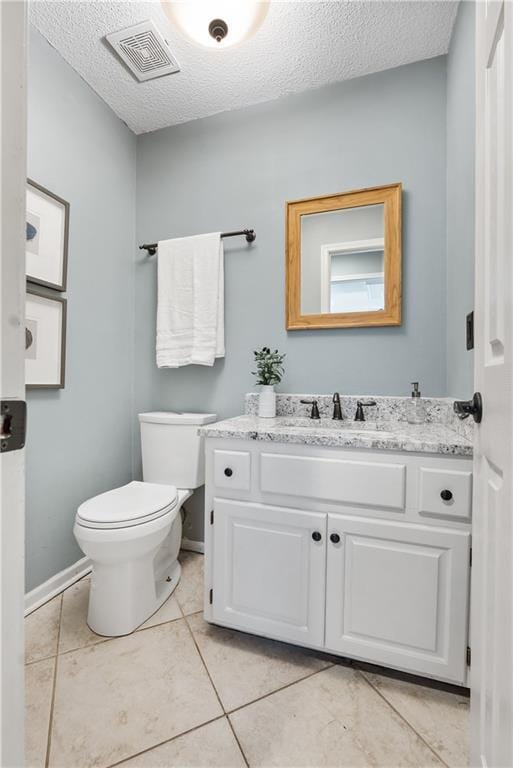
[[47, 233], [45, 340]]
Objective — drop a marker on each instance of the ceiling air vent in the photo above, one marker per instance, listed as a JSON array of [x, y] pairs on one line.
[[144, 50]]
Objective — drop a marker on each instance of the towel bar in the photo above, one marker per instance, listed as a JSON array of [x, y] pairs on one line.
[[248, 233]]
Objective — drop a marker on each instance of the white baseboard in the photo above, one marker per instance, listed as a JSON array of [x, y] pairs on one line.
[[193, 546], [56, 584]]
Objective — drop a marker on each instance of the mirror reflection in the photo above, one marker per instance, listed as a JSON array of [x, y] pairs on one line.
[[342, 261]]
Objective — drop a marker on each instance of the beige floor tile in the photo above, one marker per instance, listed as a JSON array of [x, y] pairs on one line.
[[38, 701], [244, 667], [189, 591], [331, 719], [441, 718], [42, 630], [170, 611], [211, 746], [74, 630], [117, 698]]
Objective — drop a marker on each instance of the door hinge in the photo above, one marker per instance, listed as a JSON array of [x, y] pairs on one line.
[[470, 557], [13, 425], [211, 517], [469, 656], [211, 596]]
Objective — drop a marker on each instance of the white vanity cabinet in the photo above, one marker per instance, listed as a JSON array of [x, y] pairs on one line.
[[364, 554]]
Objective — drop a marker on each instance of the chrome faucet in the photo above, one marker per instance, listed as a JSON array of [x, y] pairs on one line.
[[360, 415], [337, 410]]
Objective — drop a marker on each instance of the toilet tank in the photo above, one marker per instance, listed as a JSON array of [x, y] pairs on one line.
[[172, 450]]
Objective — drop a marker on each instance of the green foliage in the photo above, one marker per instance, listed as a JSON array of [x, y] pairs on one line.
[[269, 365]]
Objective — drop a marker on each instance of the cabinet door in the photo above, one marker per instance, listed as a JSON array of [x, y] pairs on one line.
[[397, 595], [269, 570]]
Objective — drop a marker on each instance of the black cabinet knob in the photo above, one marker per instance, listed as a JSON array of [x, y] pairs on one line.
[[335, 538], [446, 495], [228, 471], [316, 536]]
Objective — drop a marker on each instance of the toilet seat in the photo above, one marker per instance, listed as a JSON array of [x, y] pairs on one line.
[[130, 505]]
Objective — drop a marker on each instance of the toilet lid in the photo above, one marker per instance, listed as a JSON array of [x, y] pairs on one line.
[[132, 504]]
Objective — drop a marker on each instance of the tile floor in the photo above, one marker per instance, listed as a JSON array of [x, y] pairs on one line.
[[180, 693]]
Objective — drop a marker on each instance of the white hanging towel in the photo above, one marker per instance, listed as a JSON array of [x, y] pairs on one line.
[[190, 311]]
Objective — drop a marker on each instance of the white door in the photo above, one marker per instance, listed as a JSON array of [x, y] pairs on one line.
[[492, 573], [269, 570], [12, 335], [397, 595]]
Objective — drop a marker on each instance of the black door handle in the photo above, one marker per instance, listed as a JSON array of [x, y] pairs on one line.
[[228, 471], [335, 538], [466, 408], [446, 495], [316, 536]]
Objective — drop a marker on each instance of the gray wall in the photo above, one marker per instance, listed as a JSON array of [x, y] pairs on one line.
[[460, 199], [80, 438], [237, 170]]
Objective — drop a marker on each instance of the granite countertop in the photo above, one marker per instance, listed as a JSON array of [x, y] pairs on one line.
[[380, 435]]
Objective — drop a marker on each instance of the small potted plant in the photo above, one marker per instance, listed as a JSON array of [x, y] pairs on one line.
[[269, 372]]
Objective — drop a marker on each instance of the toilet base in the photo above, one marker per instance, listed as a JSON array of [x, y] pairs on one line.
[[126, 618], [165, 587], [131, 580]]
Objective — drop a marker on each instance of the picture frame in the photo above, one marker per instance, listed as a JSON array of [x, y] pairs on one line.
[[47, 237], [45, 340]]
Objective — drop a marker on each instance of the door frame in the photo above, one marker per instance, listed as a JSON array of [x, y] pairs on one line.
[[13, 152]]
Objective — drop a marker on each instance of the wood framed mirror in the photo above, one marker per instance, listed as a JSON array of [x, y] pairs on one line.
[[343, 260]]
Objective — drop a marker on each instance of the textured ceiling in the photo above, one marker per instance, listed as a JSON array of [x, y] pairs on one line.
[[301, 45]]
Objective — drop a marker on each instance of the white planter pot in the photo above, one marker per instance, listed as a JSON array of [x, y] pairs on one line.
[[267, 402]]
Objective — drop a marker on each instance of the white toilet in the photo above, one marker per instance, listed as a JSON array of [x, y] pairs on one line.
[[132, 534]]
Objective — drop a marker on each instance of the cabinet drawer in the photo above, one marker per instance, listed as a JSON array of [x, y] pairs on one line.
[[232, 469], [348, 482], [445, 493]]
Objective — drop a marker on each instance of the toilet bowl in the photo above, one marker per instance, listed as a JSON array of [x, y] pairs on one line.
[[132, 534]]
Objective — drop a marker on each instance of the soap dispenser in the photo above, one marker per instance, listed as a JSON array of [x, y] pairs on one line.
[[416, 411]]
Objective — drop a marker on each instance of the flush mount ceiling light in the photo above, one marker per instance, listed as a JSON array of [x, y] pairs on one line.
[[216, 23]]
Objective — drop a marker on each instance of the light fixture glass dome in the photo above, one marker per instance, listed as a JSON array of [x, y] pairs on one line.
[[216, 23]]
